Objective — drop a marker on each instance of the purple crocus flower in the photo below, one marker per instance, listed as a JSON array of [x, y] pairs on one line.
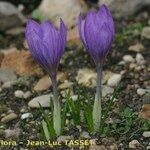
[[46, 43], [97, 32]]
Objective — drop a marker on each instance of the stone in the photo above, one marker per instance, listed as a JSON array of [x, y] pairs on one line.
[[15, 31], [26, 116], [7, 84], [14, 133], [43, 84], [7, 75], [19, 94], [44, 100], [97, 147], [145, 112], [146, 32], [106, 90], [134, 144], [10, 16], [113, 147], [65, 85], [63, 138], [128, 59], [106, 75], [138, 47], [85, 135], [52, 9], [146, 134], [22, 63], [9, 117], [61, 76], [141, 91], [74, 97], [114, 80], [120, 7], [140, 59], [27, 95], [86, 77]]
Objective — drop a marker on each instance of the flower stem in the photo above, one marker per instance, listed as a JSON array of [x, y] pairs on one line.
[[57, 108], [97, 101]]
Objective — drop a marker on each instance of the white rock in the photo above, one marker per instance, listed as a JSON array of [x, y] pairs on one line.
[[7, 84], [86, 77], [53, 8], [19, 94], [27, 95], [106, 90], [85, 135], [7, 75], [128, 59], [140, 59], [74, 97], [65, 85], [146, 32], [136, 48], [10, 16], [146, 134], [26, 115], [141, 91], [114, 80], [15, 133], [43, 84], [64, 138], [44, 100], [134, 144]]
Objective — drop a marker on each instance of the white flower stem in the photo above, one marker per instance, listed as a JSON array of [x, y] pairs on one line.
[[97, 101], [57, 108]]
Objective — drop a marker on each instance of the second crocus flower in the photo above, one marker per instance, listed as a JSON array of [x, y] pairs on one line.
[[47, 45], [97, 32]]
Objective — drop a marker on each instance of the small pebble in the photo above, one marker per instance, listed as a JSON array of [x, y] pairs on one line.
[[146, 32], [9, 117], [140, 59], [7, 84], [63, 138], [141, 91], [65, 85], [128, 59], [136, 48], [85, 135], [15, 133], [19, 94], [74, 97], [114, 80], [26, 115], [134, 144], [27, 95], [146, 134]]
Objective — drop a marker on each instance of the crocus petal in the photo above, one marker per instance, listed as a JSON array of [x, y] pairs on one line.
[[46, 44], [97, 32], [106, 17], [63, 35]]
